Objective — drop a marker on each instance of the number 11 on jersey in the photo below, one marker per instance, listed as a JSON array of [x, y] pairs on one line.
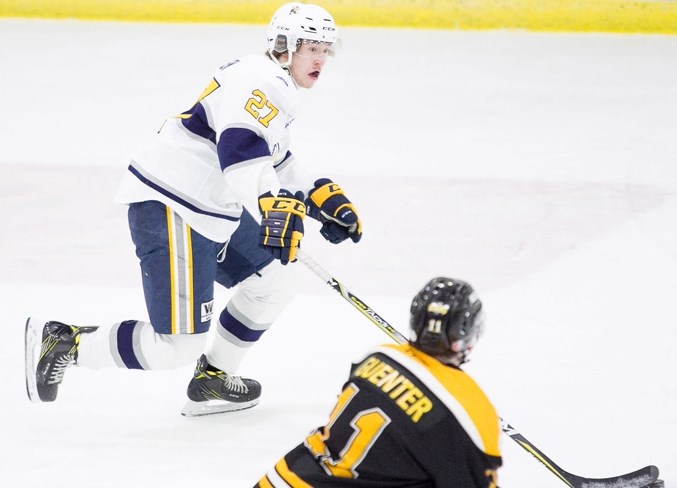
[[366, 426]]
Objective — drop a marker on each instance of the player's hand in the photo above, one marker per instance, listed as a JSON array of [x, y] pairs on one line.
[[328, 204], [282, 224]]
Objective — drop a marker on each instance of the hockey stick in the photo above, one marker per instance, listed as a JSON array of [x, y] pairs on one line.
[[646, 477]]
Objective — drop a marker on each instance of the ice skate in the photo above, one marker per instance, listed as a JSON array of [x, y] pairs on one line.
[[214, 391], [50, 349]]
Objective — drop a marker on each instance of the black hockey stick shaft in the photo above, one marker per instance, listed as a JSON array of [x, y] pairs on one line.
[[637, 479], [363, 308]]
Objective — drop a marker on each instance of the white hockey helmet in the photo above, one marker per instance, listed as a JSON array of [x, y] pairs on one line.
[[294, 22]]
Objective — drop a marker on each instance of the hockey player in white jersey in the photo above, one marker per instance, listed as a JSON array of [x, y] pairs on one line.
[[217, 196]]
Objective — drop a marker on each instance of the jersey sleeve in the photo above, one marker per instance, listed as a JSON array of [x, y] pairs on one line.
[[293, 176]]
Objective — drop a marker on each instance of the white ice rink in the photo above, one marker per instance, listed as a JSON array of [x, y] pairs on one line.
[[542, 168]]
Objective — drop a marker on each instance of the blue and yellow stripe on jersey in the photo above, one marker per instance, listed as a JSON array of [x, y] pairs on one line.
[[181, 274]]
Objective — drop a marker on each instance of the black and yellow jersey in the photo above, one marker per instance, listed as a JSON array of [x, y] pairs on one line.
[[403, 419]]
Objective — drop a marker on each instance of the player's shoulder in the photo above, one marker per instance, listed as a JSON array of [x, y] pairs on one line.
[[454, 388], [257, 70]]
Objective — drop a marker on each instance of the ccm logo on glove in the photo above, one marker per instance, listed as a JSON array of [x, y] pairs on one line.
[[282, 224], [328, 204]]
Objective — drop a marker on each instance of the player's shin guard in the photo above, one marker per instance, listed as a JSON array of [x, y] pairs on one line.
[[259, 300], [134, 344]]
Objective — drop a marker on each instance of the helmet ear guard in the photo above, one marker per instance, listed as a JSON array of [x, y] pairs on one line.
[[280, 44], [446, 319]]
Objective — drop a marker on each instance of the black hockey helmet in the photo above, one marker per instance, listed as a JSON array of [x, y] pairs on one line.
[[446, 319]]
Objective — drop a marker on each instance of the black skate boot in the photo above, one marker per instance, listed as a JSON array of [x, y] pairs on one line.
[[47, 361], [214, 391]]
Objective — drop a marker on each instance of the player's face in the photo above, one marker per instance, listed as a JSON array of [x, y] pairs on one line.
[[308, 61]]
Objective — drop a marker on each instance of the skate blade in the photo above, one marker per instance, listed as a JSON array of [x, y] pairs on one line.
[[32, 342], [199, 409]]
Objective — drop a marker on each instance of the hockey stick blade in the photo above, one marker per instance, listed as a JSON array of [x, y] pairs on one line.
[[642, 478], [646, 477]]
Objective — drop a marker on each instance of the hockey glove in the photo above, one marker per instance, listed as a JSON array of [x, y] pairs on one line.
[[328, 204], [282, 224]]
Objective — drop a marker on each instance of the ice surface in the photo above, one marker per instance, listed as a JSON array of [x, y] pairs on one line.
[[539, 167]]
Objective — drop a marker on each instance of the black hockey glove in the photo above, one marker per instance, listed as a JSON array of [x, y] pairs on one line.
[[282, 224], [328, 204]]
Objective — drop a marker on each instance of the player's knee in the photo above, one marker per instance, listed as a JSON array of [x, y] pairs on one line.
[[187, 347], [264, 297], [175, 351]]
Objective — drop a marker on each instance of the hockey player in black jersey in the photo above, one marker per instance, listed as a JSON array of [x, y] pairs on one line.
[[408, 416]]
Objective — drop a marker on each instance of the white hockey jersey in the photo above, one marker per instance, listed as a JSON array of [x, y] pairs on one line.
[[229, 148]]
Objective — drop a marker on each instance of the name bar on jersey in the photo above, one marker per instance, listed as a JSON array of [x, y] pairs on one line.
[[398, 387]]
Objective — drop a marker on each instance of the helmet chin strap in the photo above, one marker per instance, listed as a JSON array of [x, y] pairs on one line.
[[285, 65]]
